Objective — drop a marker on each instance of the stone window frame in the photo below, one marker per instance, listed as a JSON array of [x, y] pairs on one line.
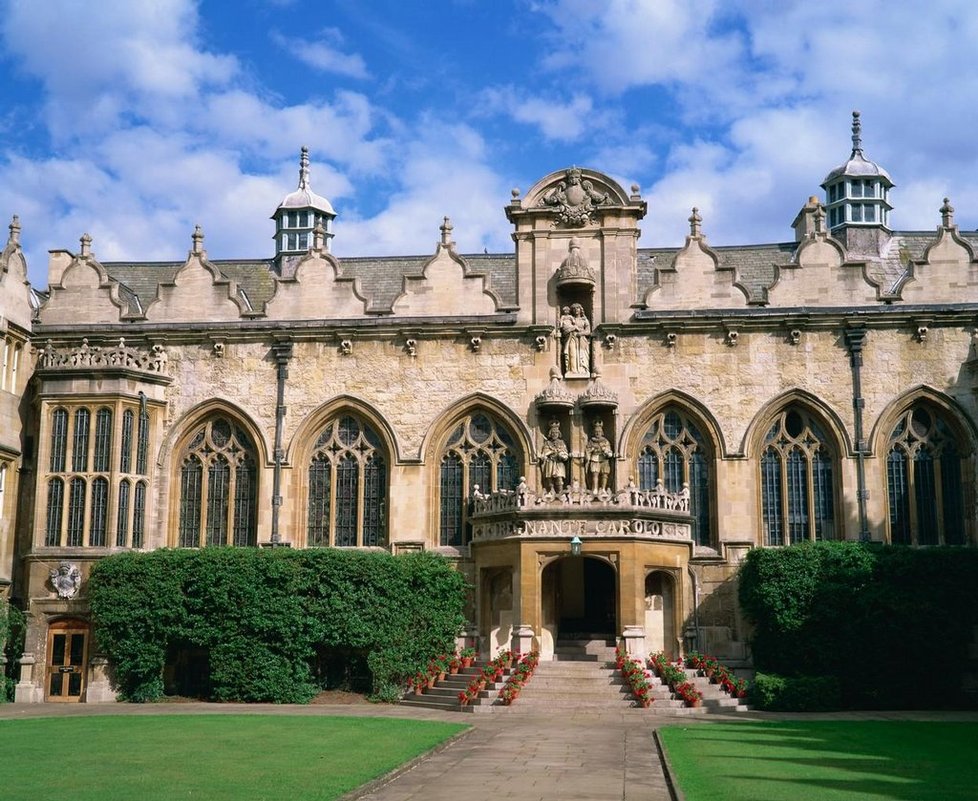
[[909, 436], [801, 465], [691, 437], [458, 451], [83, 444], [210, 459], [327, 462]]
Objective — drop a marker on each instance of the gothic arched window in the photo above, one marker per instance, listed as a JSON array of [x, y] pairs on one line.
[[348, 479], [797, 481], [481, 452], [218, 488], [674, 452], [923, 481]]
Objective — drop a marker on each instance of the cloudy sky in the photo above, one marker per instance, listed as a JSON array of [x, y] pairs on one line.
[[135, 119]]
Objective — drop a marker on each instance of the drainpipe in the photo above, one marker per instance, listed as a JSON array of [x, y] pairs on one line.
[[696, 607], [855, 337], [282, 351]]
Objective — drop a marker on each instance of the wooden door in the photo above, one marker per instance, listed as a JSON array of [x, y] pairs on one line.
[[67, 660]]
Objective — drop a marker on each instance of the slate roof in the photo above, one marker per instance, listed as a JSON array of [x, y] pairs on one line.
[[382, 277]]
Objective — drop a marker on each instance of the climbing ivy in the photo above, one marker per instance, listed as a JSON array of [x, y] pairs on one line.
[[265, 618]]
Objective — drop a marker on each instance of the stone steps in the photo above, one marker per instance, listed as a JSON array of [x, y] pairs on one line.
[[582, 676]]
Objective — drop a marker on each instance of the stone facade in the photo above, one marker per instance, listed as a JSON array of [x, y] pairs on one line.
[[707, 400]]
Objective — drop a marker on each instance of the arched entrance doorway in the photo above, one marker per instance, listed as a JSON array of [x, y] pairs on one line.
[[660, 613], [580, 598], [67, 660]]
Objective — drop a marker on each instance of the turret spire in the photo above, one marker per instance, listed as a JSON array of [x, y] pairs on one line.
[[857, 136], [304, 168]]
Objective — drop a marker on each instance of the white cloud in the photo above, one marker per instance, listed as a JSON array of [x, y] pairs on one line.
[[564, 121], [324, 54]]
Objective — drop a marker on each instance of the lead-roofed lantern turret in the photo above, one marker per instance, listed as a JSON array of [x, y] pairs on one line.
[[299, 213]]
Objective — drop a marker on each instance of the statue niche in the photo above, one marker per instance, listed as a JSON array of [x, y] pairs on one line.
[[554, 458], [574, 283]]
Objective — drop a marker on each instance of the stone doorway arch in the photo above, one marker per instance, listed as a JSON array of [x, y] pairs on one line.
[[660, 613], [579, 598]]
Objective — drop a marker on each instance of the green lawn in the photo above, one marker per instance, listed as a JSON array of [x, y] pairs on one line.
[[825, 761], [205, 757]]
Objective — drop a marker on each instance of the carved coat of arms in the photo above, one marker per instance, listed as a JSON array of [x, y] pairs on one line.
[[574, 199], [66, 580]]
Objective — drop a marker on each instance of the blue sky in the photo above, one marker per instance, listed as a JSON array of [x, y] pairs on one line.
[[133, 120]]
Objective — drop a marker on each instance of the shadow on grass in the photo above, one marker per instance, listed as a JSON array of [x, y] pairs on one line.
[[825, 760]]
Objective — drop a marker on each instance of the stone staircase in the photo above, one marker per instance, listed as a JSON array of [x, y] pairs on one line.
[[582, 675]]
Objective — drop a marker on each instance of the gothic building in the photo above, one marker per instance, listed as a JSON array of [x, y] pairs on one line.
[[594, 429]]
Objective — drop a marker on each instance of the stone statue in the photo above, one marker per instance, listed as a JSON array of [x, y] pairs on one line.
[[575, 328], [597, 458], [66, 580], [553, 460]]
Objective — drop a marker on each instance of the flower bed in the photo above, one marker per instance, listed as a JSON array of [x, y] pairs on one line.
[[636, 677], [674, 674], [525, 666], [717, 673]]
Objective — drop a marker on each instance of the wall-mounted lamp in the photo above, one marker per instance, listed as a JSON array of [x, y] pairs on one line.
[[576, 546]]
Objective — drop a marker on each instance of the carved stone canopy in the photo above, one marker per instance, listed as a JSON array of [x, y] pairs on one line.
[[574, 269], [598, 396], [555, 396]]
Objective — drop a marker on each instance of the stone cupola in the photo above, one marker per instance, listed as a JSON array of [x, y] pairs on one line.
[[857, 195], [298, 215]]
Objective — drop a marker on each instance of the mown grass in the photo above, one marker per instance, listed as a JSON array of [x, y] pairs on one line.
[[825, 761], [207, 757]]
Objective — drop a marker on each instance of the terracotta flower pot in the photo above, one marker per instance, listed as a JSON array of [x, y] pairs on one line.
[[466, 661]]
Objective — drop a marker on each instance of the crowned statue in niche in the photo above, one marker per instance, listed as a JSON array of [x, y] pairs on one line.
[[553, 460], [597, 458], [575, 333]]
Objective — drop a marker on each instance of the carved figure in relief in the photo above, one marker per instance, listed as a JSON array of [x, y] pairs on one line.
[[575, 328], [597, 458], [574, 199], [553, 460]]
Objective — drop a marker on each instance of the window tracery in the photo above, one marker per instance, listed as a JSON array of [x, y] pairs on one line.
[[797, 481], [675, 452], [218, 488], [923, 481], [348, 486], [480, 452]]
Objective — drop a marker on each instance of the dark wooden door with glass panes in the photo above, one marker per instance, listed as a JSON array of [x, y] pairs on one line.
[[67, 660]]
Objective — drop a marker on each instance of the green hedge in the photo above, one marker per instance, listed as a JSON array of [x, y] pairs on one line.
[[874, 617], [795, 693], [262, 616], [13, 626]]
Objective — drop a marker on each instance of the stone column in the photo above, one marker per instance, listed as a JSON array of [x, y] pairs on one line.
[[26, 692]]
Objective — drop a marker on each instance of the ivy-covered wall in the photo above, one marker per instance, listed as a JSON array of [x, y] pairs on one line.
[[892, 624], [263, 617]]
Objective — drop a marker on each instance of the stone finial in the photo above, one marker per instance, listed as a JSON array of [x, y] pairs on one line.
[[819, 217], [14, 230], [947, 215], [86, 246], [198, 241], [446, 233], [635, 190], [857, 140], [695, 227], [318, 236], [514, 193], [304, 168]]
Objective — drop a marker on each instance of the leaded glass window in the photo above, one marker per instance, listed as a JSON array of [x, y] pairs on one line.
[[125, 452], [348, 486], [797, 481], [480, 452], [100, 512], [139, 514], [103, 440], [923, 481], [674, 452], [142, 442], [55, 508], [218, 490], [122, 516], [79, 451], [76, 512], [59, 440]]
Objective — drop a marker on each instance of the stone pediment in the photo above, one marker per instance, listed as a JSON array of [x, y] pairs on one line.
[[317, 289]]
